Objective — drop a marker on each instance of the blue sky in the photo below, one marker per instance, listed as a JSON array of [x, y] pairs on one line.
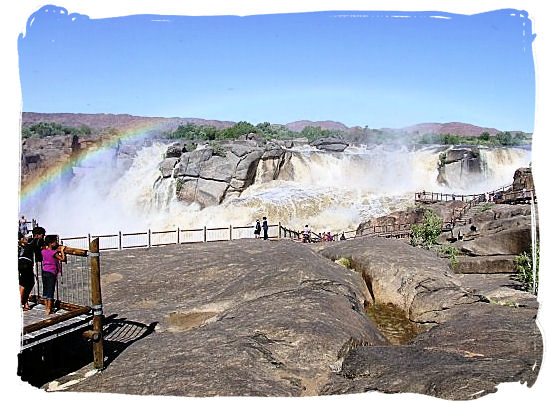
[[381, 69]]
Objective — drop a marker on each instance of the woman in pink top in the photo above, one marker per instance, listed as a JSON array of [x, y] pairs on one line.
[[51, 266]]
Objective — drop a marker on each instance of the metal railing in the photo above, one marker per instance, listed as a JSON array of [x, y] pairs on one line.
[[400, 230], [429, 197], [150, 238], [77, 293]]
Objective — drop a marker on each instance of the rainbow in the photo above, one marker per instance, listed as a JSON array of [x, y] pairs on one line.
[[34, 189]]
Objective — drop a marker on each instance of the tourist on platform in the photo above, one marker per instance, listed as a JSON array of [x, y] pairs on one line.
[[29, 253], [23, 229], [342, 237], [306, 234], [265, 227], [257, 229], [329, 236], [51, 266]]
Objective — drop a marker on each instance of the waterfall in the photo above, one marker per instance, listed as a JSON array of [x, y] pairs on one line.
[[328, 191]]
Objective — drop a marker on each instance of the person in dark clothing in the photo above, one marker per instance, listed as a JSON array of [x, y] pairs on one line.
[[265, 227], [257, 229], [30, 251]]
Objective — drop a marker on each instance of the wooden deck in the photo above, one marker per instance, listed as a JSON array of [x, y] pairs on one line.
[[39, 327]]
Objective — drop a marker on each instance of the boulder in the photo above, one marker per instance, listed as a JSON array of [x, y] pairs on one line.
[[241, 149], [174, 150], [496, 230], [459, 165], [458, 154], [330, 144], [481, 346], [273, 151], [486, 264], [242, 318], [414, 279], [445, 210], [246, 168], [470, 346], [505, 242], [523, 178], [186, 189], [209, 192], [253, 139], [167, 165], [220, 168], [191, 163]]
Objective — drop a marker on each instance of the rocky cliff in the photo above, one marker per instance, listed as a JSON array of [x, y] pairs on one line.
[[216, 172]]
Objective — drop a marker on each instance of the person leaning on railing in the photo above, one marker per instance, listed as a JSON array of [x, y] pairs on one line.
[[52, 255], [29, 253]]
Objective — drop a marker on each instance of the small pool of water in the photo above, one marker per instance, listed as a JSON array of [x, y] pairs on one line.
[[392, 323]]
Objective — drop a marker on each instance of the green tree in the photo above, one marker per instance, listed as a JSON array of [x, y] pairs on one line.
[[43, 129], [426, 233], [520, 138], [504, 138], [447, 138], [237, 130], [26, 132], [485, 136]]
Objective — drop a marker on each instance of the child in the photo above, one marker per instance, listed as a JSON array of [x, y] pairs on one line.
[[51, 266]]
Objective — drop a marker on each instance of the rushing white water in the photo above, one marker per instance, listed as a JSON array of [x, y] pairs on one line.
[[328, 191]]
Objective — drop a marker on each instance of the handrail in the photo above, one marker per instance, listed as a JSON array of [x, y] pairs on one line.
[[424, 196], [149, 238]]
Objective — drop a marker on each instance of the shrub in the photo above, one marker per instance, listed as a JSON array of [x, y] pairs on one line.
[[345, 262], [524, 270], [442, 159], [217, 149], [426, 234], [179, 185], [486, 206], [448, 251]]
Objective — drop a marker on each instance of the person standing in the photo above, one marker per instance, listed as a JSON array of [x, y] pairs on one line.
[[265, 227], [306, 234], [23, 229], [29, 253], [52, 255], [257, 229]]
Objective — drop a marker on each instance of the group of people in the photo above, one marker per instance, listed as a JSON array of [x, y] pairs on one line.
[[306, 236], [258, 228], [35, 246]]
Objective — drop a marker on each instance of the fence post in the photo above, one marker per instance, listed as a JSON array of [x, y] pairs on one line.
[[230, 232], [204, 234], [89, 238], [279, 226], [97, 305], [119, 240], [178, 236], [149, 238]]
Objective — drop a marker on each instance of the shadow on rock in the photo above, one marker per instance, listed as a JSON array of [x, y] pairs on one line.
[[119, 334], [59, 355]]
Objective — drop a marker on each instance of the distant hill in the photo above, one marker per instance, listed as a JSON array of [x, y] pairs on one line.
[[455, 128], [125, 121], [298, 126], [117, 121]]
